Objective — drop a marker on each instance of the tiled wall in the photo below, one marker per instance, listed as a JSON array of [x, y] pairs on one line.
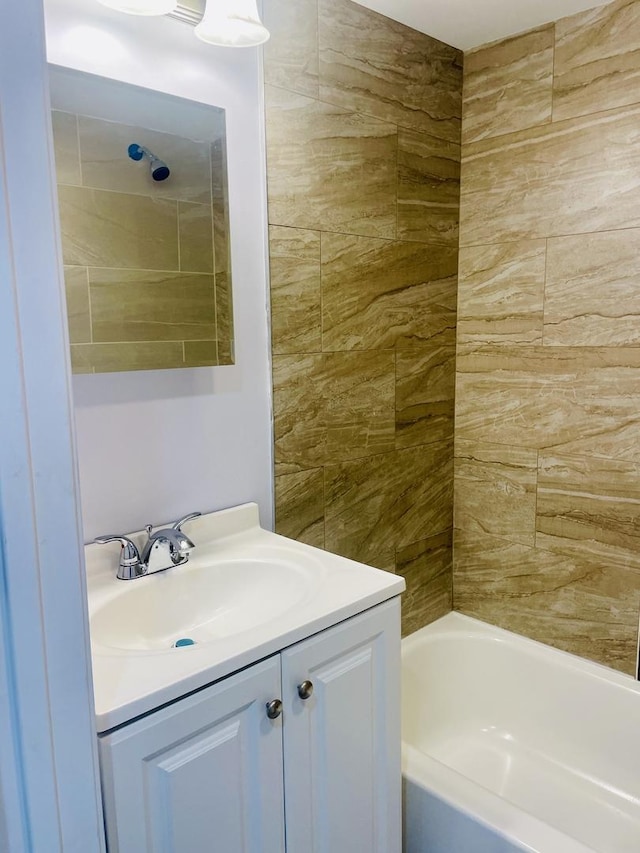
[[547, 476], [363, 139], [146, 264]]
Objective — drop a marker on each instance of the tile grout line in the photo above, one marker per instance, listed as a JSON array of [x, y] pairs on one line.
[[544, 287], [90, 306], [553, 73]]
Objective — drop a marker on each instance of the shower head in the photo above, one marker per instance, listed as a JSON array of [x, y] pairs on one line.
[[159, 169]]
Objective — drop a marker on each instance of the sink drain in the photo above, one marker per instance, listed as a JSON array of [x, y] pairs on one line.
[[183, 641]]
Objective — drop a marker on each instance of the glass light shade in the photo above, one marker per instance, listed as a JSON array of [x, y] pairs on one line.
[[232, 23], [141, 7]]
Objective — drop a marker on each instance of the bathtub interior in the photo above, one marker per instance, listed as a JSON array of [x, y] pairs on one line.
[[551, 734]]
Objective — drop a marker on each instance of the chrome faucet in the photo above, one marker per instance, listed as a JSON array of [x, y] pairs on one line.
[[163, 549]]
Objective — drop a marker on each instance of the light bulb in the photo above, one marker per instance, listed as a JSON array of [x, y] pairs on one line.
[[232, 23], [141, 7]]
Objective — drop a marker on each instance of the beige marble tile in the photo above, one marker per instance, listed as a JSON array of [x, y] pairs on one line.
[[508, 85], [373, 65], [571, 602], [66, 148], [591, 294], [495, 489], [427, 568], [501, 293], [378, 504], [291, 54], [590, 506], [119, 357], [569, 177], [76, 283], [331, 407], [106, 229], [329, 169], [224, 318], [195, 225], [425, 385], [378, 294], [428, 189], [580, 401], [597, 60], [300, 506], [200, 353], [296, 320], [106, 164], [159, 306]]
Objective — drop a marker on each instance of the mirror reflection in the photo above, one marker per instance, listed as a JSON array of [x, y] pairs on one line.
[[142, 189]]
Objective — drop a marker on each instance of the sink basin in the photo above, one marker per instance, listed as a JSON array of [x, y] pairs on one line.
[[245, 594], [201, 601]]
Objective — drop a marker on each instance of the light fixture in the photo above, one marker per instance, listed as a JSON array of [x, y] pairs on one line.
[[232, 23], [141, 7]]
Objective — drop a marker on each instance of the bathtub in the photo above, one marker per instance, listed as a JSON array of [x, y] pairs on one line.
[[510, 745]]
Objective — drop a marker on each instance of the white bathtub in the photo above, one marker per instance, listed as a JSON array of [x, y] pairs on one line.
[[510, 745]]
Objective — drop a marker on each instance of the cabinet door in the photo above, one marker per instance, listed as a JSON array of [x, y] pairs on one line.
[[203, 775], [342, 744]]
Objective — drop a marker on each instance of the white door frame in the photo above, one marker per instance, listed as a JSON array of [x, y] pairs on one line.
[[49, 788]]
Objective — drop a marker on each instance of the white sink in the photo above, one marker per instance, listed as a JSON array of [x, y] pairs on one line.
[[204, 601], [245, 594]]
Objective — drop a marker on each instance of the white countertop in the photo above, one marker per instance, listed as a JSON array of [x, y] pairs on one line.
[[129, 683]]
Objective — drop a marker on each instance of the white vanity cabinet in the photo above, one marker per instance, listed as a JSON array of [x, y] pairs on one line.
[[202, 774], [212, 773]]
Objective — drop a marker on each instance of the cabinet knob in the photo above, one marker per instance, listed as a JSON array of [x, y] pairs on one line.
[[305, 689], [274, 709]]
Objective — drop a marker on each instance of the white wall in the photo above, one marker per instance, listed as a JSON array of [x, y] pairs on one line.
[[155, 444]]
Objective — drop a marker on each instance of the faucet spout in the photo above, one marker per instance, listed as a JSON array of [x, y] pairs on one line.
[[167, 547]]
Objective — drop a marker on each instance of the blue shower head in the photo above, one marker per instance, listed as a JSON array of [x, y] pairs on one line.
[[159, 169]]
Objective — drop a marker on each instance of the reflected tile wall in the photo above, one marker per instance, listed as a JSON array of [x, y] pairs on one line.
[[66, 147], [105, 229], [76, 283], [160, 249], [159, 306], [363, 163], [105, 164], [547, 482]]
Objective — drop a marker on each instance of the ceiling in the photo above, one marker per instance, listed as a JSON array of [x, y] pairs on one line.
[[470, 23]]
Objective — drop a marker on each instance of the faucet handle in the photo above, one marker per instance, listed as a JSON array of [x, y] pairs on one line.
[[178, 524], [130, 564]]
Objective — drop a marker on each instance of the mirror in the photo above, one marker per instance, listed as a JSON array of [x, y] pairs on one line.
[[144, 217]]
